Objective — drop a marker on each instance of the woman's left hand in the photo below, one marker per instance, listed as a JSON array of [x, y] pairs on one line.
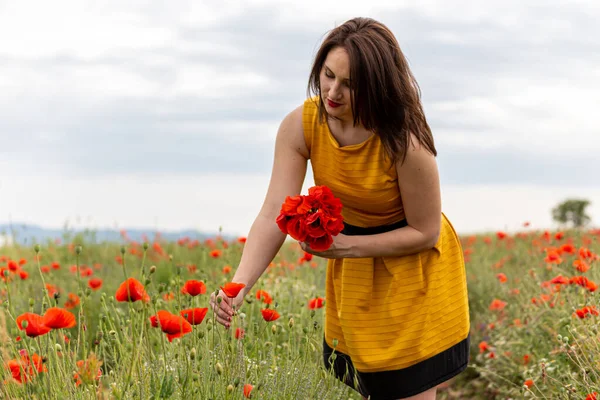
[[342, 247]]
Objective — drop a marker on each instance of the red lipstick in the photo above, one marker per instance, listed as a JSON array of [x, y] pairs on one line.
[[333, 104]]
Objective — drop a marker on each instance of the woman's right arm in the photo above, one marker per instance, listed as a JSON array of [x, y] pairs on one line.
[[265, 239]]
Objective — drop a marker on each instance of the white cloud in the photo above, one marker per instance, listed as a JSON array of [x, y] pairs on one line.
[[91, 77], [207, 202], [215, 82], [34, 29], [479, 208], [203, 202]]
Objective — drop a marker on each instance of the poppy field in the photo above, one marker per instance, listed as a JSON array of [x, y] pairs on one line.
[[86, 320]]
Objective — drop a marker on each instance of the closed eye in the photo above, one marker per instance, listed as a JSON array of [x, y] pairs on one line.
[[330, 75]]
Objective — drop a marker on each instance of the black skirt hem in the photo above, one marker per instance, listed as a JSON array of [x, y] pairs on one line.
[[402, 383]]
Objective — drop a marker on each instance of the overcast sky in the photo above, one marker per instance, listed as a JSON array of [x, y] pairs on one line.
[[163, 115]]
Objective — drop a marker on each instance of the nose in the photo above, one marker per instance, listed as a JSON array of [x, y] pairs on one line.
[[335, 92]]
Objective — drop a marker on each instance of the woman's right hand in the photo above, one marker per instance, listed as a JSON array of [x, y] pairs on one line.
[[225, 310]]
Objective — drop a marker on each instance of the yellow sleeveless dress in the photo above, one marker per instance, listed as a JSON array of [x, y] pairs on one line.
[[387, 313]]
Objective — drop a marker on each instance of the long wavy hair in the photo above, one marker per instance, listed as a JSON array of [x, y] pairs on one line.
[[385, 97]]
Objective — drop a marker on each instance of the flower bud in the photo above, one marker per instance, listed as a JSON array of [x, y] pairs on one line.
[[78, 250], [291, 323], [229, 388], [236, 382], [153, 269], [334, 342], [36, 248], [58, 347], [219, 368], [24, 324], [145, 246], [193, 354], [123, 250], [274, 329], [31, 302], [219, 300]]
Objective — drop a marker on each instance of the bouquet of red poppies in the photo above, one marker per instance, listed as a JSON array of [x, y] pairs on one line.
[[313, 219]]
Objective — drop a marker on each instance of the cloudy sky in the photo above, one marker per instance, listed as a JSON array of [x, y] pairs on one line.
[[162, 115]]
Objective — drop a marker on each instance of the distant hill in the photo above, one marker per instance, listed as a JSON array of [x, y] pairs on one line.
[[27, 234]]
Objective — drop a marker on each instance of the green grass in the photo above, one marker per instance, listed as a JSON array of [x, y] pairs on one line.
[[282, 359]]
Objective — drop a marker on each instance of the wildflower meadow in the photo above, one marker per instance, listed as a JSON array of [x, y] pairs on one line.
[[82, 319]]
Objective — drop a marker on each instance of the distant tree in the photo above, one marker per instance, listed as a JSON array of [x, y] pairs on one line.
[[572, 210]]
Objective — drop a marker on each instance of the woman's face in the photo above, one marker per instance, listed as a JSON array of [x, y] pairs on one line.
[[335, 84]]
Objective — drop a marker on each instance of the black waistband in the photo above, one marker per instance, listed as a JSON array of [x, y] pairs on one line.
[[352, 230]]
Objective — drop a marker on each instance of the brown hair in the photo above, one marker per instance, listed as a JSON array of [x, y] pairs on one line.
[[385, 97]]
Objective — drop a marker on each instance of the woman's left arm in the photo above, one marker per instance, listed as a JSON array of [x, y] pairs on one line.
[[419, 184]]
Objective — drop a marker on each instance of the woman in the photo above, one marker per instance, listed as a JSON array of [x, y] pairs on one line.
[[397, 308]]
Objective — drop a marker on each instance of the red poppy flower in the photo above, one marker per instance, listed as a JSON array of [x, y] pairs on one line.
[[193, 288], [314, 224], [313, 219], [248, 390], [559, 280], [52, 289], [59, 318], [296, 205], [232, 289], [95, 283], [72, 302], [315, 303], [13, 266], [194, 316], [321, 243], [132, 290], [24, 369], [88, 370], [326, 199], [264, 296], [581, 265], [175, 326], [497, 305], [583, 312], [269, 314], [35, 324], [483, 347]]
